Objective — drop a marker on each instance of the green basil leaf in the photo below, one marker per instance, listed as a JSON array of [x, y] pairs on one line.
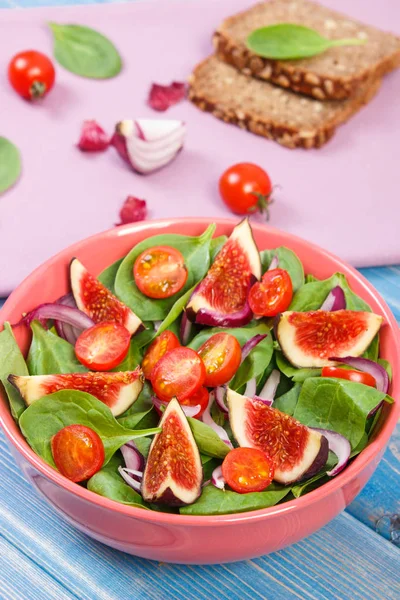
[[311, 295], [196, 252], [337, 404], [10, 164], [208, 442], [46, 416], [107, 277], [288, 261], [11, 361], [286, 41], [221, 502], [85, 52], [49, 354]]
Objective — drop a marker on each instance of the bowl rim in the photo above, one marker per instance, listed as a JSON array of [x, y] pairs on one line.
[[376, 445]]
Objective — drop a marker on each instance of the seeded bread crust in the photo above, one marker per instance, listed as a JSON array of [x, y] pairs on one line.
[[307, 76], [220, 89]]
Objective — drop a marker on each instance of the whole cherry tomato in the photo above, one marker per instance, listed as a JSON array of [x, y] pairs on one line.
[[31, 74], [246, 188], [272, 294], [350, 375], [78, 452]]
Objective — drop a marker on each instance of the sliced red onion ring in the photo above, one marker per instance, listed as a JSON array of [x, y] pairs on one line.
[[132, 457], [335, 300], [67, 332], [269, 389], [208, 420], [190, 411], [339, 445], [368, 366], [252, 343], [205, 483], [251, 388], [59, 312], [185, 329], [274, 264], [217, 479], [266, 401], [220, 395], [131, 481]]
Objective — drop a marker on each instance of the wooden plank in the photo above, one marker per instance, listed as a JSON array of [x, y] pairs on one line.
[[343, 560]]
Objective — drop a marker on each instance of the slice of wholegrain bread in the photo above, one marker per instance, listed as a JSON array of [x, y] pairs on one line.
[[269, 110], [335, 74]]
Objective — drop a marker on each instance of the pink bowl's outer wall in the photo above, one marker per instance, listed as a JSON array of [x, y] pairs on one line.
[[194, 539]]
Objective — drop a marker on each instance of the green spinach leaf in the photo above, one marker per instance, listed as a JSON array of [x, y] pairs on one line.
[[242, 334], [287, 402], [208, 442], [11, 361], [209, 464], [131, 360], [107, 277], [142, 420], [50, 354], [196, 252], [219, 502], [288, 260], [297, 375], [46, 416], [255, 363], [85, 52], [10, 164], [337, 404], [387, 366], [372, 352], [216, 245], [108, 483], [311, 295]]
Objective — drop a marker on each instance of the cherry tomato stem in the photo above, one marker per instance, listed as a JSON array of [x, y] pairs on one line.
[[31, 74], [246, 188]]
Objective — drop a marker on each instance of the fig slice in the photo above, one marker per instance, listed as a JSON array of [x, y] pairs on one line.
[[173, 473], [221, 299], [118, 390], [94, 299], [297, 451], [308, 339]]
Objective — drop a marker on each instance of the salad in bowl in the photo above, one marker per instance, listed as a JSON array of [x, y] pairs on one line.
[[198, 375]]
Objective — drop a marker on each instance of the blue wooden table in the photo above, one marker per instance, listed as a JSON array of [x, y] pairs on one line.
[[356, 556]]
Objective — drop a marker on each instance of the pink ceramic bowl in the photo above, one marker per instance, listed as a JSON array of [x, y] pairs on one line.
[[186, 539]]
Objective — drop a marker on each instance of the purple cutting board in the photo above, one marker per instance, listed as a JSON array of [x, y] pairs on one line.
[[344, 197]]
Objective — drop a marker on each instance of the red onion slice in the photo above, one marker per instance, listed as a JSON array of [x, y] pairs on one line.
[[208, 420], [190, 411], [185, 329], [67, 332], [251, 344], [131, 481], [335, 300], [267, 402], [217, 479], [132, 457], [274, 264], [368, 366], [339, 445], [269, 389], [220, 395], [59, 312], [251, 388]]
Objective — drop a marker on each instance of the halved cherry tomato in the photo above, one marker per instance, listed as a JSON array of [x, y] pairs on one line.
[[272, 294], [200, 398], [31, 74], [247, 470], [350, 375], [160, 272], [78, 452], [245, 188], [103, 346], [179, 373], [165, 342], [221, 355]]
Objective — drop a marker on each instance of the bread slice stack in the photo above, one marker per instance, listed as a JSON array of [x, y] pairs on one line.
[[297, 103]]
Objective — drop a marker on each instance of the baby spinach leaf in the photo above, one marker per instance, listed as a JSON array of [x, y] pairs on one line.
[[131, 360], [142, 420], [297, 375], [11, 361], [337, 404], [108, 483], [287, 402], [10, 164], [174, 313], [387, 366], [310, 278], [85, 52], [242, 334], [255, 363], [208, 442], [311, 484], [286, 41], [219, 502], [311, 295], [372, 352], [50, 354], [107, 277], [46, 416], [196, 252], [288, 260], [143, 445], [216, 245]]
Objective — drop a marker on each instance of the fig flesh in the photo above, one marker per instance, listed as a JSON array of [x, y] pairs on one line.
[[309, 339], [173, 473], [297, 451], [221, 299], [94, 299], [118, 390]]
